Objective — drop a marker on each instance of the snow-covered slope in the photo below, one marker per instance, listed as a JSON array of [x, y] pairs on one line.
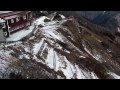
[[57, 48]]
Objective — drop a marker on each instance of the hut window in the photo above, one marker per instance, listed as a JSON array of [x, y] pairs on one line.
[[30, 15], [24, 17], [12, 20], [4, 26], [17, 19]]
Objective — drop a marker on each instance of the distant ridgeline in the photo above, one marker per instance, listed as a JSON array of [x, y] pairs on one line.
[[108, 19]]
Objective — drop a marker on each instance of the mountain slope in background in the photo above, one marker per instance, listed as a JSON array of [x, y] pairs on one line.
[[109, 19], [60, 48]]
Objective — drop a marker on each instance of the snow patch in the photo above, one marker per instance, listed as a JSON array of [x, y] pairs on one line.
[[40, 20], [4, 61], [62, 16], [114, 75], [26, 56], [67, 70], [72, 46], [45, 45], [37, 46], [96, 56], [118, 29], [59, 77], [71, 38], [50, 58], [82, 57], [31, 37], [27, 49], [38, 60], [94, 76], [50, 32], [81, 74], [67, 51], [56, 45]]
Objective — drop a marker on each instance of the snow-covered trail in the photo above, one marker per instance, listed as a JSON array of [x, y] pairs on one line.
[[20, 34]]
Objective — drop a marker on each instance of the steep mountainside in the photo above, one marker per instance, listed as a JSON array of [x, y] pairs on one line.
[[60, 47], [108, 19], [89, 14]]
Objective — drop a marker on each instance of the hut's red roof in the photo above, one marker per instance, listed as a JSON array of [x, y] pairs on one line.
[[11, 14]]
